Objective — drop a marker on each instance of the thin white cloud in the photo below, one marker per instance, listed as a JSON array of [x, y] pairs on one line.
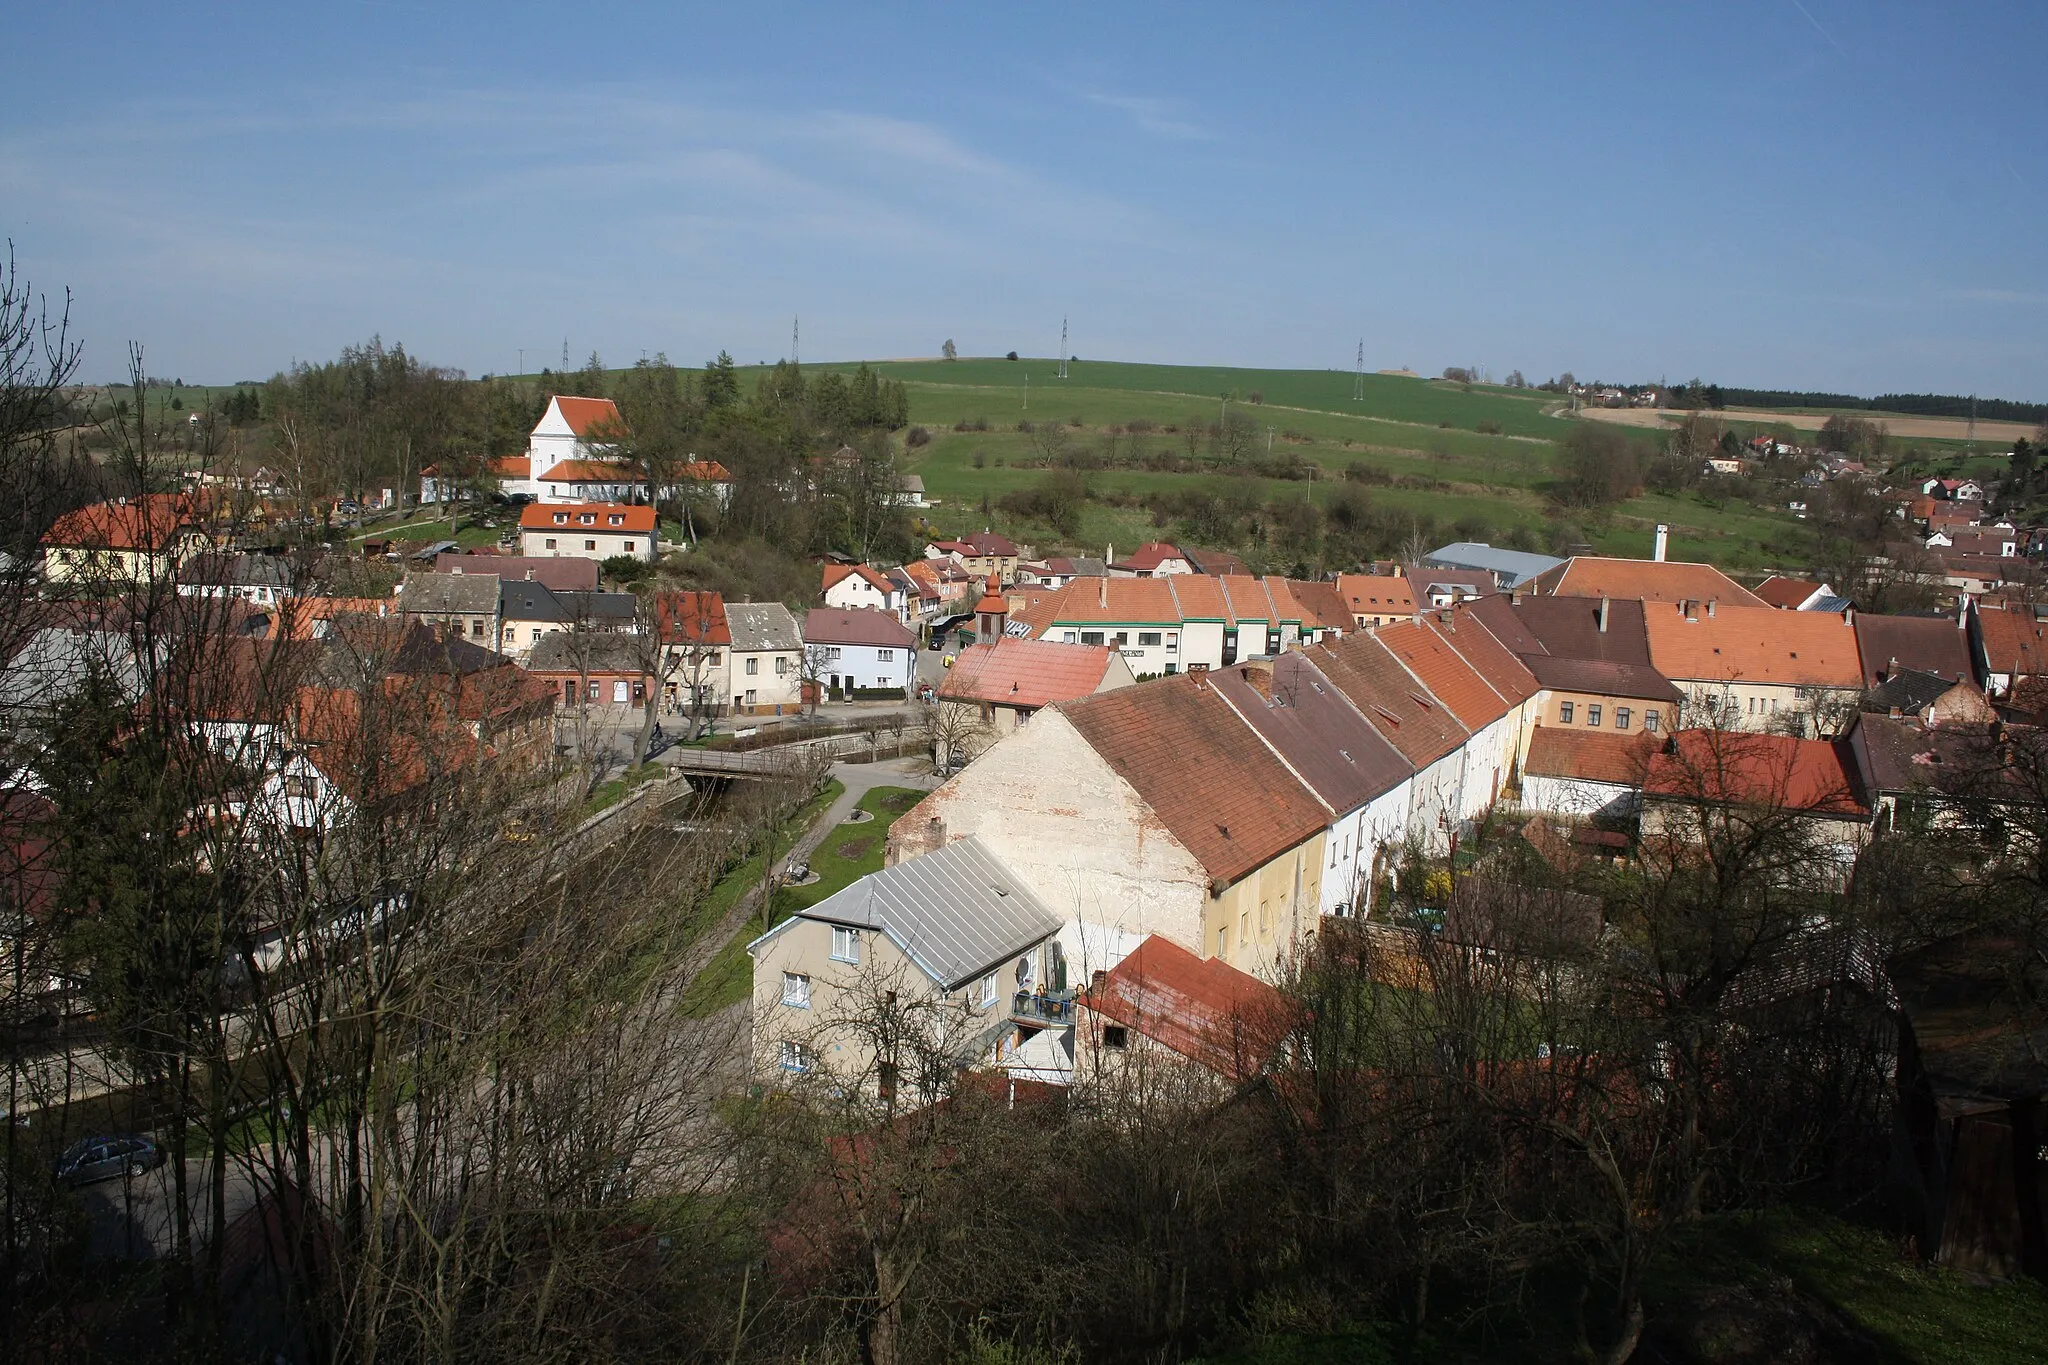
[[1160, 118]]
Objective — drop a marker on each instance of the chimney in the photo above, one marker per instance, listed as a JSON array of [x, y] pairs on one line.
[[1102, 592], [1444, 616], [1259, 673], [1515, 598], [1603, 615], [1663, 537]]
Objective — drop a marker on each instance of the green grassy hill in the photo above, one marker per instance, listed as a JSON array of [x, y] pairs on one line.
[[1420, 442]]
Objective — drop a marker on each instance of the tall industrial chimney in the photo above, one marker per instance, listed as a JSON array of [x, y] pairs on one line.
[[1663, 536]]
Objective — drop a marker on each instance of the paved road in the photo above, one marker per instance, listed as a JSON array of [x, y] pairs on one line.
[[131, 1219]]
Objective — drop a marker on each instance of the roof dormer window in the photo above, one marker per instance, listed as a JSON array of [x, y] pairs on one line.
[[618, 520], [587, 518], [561, 518]]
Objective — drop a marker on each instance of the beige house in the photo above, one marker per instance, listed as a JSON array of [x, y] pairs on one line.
[[1757, 668], [767, 659], [1146, 810], [462, 605], [889, 984]]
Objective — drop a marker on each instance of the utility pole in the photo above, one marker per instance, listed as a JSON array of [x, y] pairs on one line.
[[1027, 390], [522, 360], [1358, 379], [1269, 442], [1063, 348]]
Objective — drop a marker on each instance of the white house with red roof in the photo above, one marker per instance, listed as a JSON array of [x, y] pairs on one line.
[[1155, 559], [859, 650], [592, 530], [858, 586], [571, 430]]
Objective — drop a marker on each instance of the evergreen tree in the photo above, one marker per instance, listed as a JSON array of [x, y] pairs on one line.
[[721, 384]]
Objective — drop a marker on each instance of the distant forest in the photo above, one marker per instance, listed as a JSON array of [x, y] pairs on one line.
[[1919, 404]]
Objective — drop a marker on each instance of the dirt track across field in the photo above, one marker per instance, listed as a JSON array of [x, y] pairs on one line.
[[1926, 428]]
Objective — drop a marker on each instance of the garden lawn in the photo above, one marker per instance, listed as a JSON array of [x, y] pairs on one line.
[[848, 853]]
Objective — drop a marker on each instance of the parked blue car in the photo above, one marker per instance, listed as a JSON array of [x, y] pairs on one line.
[[106, 1157]]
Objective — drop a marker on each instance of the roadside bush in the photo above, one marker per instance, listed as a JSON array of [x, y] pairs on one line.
[[971, 424], [1489, 428], [917, 436], [1139, 425], [978, 460]]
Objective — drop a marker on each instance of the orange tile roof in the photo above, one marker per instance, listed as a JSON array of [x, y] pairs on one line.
[[1149, 556], [1737, 768], [1114, 601], [540, 516], [1447, 676], [1320, 606], [1758, 644], [1032, 673], [1372, 594], [151, 522], [1201, 1008], [587, 414], [592, 471], [509, 467], [1590, 755], [838, 573], [1650, 580], [1215, 786], [706, 471], [1383, 690], [2014, 642], [1786, 593]]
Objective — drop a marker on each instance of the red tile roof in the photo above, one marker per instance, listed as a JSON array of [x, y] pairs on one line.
[[585, 415], [1464, 631], [1756, 644], [1590, 755], [1218, 790], [1444, 674], [1786, 593], [706, 471], [2013, 642], [989, 543], [1149, 556], [592, 471], [1027, 673], [1372, 594], [1738, 768], [692, 618], [1650, 580], [540, 516], [509, 467], [1202, 1009], [839, 573]]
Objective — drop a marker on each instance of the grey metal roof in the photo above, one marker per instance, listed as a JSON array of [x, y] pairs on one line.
[[1518, 566], [520, 600], [55, 661], [956, 913], [762, 625], [1831, 602], [447, 592]]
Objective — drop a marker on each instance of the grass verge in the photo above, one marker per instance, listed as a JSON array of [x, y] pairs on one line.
[[848, 853]]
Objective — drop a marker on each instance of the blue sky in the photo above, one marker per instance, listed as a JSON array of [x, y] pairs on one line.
[[1797, 193]]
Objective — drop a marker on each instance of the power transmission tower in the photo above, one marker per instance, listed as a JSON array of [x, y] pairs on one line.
[[1063, 348], [793, 323], [565, 355], [1358, 379]]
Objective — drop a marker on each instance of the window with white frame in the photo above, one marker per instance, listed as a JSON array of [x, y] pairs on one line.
[[845, 944], [885, 656], [796, 1057], [988, 990], [753, 666], [796, 990], [781, 666]]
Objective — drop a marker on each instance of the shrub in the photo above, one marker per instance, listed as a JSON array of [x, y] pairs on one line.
[[1256, 396], [1489, 428], [1026, 426], [1011, 356], [625, 568], [978, 460], [1139, 424], [917, 436], [972, 424]]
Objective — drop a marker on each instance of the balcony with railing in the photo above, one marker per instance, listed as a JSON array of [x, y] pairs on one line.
[[1043, 1007]]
